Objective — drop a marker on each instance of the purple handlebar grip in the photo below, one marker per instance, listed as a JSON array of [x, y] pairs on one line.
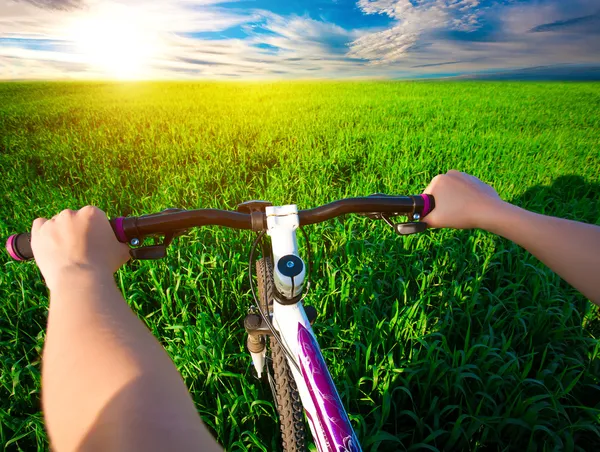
[[10, 247], [426, 205], [119, 232]]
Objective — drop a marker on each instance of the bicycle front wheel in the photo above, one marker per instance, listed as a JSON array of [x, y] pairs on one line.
[[287, 398]]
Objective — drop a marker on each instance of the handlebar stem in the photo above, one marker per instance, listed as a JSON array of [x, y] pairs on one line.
[[289, 270]]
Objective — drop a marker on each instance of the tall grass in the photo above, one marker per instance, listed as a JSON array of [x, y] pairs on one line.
[[446, 340]]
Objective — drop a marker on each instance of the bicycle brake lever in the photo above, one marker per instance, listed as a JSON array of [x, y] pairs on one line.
[[412, 227], [154, 251], [149, 252]]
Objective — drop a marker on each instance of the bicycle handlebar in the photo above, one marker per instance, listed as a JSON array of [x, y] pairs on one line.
[[173, 221], [387, 204]]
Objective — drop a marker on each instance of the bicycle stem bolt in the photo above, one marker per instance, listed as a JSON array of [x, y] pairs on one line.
[[290, 265]]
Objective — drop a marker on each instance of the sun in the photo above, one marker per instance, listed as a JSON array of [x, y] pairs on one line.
[[114, 43]]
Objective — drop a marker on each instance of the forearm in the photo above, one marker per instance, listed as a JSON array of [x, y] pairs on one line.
[[107, 382], [569, 248]]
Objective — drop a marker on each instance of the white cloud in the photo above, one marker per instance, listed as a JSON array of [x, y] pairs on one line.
[[292, 47], [32, 30], [43, 43], [55, 4], [302, 37], [413, 19], [419, 39], [276, 47]]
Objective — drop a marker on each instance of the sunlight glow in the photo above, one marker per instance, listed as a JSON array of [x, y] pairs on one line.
[[115, 42]]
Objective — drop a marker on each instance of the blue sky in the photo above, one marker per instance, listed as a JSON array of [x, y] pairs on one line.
[[274, 39]]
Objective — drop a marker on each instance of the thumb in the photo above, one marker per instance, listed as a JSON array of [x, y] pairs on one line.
[[432, 218]]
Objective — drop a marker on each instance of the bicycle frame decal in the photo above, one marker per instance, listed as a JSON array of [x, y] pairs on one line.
[[328, 405]]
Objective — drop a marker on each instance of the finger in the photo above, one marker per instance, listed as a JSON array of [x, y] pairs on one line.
[[474, 178], [35, 231], [65, 213], [37, 224], [91, 211], [431, 220], [432, 184], [454, 173], [467, 176], [124, 250]]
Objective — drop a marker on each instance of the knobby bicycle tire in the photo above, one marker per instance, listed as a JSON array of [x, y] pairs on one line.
[[289, 406]]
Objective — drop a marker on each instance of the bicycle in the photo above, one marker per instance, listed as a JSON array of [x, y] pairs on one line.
[[278, 319]]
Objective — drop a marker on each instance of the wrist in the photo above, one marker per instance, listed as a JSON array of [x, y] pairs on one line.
[[496, 215], [74, 276]]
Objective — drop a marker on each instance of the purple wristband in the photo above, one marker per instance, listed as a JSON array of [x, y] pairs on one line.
[[119, 232], [10, 247], [426, 205]]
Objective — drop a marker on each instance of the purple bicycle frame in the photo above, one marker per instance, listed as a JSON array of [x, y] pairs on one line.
[[332, 419]]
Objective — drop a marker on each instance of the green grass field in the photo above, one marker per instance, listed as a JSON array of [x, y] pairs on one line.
[[448, 340]]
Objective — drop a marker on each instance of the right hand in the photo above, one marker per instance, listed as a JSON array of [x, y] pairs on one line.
[[461, 201]]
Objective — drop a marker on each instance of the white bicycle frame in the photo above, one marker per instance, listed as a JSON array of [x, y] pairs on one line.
[[327, 418]]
